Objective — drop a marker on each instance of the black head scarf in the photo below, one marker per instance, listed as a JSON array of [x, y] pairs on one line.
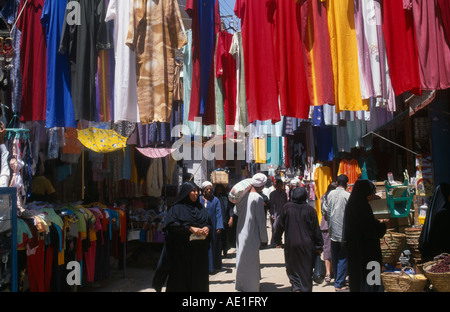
[[186, 212], [299, 195]]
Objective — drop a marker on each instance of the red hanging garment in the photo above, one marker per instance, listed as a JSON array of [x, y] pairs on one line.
[[401, 47], [259, 58], [290, 26]]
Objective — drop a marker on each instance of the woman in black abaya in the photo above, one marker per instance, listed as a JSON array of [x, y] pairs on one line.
[[303, 240], [186, 229], [362, 233], [435, 236]]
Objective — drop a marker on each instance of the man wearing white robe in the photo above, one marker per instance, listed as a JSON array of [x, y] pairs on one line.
[[251, 232]]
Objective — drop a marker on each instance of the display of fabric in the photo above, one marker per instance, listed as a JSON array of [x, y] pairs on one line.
[[401, 47], [323, 177], [374, 75], [316, 45], [81, 42], [433, 50], [33, 61], [125, 84], [259, 60], [349, 167], [59, 110], [289, 19], [205, 17], [344, 55], [226, 69], [155, 68]]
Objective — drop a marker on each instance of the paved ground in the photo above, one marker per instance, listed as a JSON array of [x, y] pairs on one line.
[[273, 273]]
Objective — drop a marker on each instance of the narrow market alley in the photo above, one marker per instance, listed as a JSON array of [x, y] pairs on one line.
[[273, 276]]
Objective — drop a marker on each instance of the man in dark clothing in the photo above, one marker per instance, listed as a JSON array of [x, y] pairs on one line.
[[303, 240], [278, 198]]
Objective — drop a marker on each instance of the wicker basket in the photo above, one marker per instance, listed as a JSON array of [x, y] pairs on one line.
[[392, 246], [439, 281], [412, 240], [403, 282]]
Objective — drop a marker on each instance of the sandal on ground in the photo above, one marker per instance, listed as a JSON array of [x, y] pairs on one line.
[[327, 278], [341, 289]]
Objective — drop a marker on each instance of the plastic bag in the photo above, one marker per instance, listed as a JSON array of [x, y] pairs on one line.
[[319, 270]]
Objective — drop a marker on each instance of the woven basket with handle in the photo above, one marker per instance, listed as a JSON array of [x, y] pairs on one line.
[[392, 245], [403, 282]]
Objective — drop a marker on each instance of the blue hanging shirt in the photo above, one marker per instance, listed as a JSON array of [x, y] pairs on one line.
[[59, 111]]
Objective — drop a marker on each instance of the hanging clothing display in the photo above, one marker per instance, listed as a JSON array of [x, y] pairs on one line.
[[259, 59], [374, 75], [322, 179], [344, 55], [59, 110], [236, 50], [444, 10], [350, 167], [125, 85], [81, 44], [33, 61], [290, 20], [205, 17], [104, 86], [155, 67], [316, 43], [433, 51], [401, 47], [226, 69]]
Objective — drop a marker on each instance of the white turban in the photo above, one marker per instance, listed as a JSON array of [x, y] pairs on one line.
[[259, 180], [205, 184], [295, 182]]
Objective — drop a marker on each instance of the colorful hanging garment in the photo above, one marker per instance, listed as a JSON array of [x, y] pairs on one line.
[[101, 140], [205, 26], [322, 178], [401, 47], [59, 110], [259, 59], [33, 61], [344, 54], [156, 31], [432, 45], [105, 82], [125, 84], [241, 100], [316, 44], [81, 40], [290, 20], [374, 75], [226, 69], [444, 11]]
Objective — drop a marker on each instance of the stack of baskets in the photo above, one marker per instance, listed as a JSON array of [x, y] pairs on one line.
[[439, 281], [403, 282], [392, 246], [412, 240]]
